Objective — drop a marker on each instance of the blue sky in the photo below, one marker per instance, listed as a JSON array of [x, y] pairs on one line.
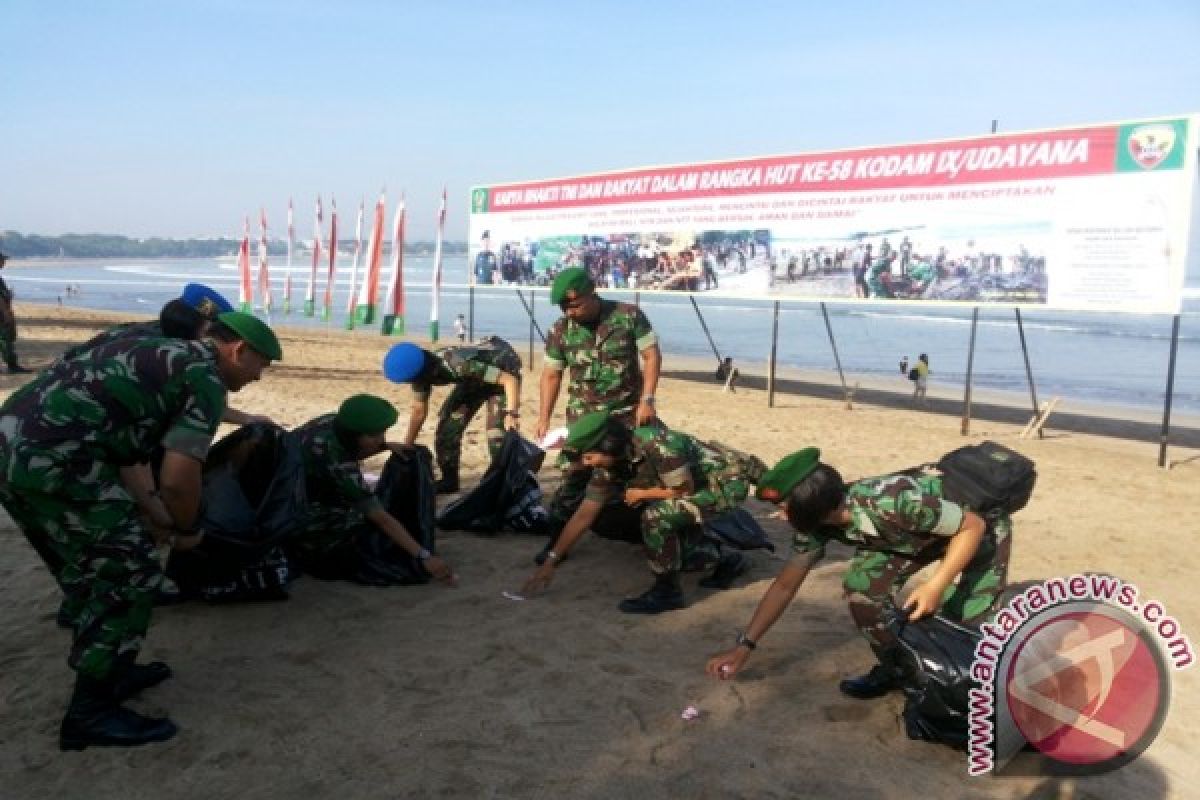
[[177, 118]]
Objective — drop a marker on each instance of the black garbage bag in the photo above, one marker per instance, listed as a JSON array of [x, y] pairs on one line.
[[251, 501], [933, 661], [508, 496], [407, 492]]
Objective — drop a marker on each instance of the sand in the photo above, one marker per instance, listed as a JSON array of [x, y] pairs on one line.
[[353, 692]]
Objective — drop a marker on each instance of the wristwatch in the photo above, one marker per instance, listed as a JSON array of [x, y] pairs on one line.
[[745, 641], [648, 399], [423, 554]]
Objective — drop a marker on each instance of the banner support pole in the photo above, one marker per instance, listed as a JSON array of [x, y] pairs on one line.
[[533, 323], [1166, 425], [471, 313], [966, 415], [771, 362], [1028, 369], [836, 358], [704, 325]]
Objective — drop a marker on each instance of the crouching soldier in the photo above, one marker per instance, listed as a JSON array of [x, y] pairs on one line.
[[340, 505], [66, 439], [899, 525], [480, 374], [677, 482]]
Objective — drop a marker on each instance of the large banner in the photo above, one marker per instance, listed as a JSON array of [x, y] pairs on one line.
[[1096, 218]]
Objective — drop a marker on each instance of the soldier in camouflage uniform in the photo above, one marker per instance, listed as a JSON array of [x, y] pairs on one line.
[[67, 441], [612, 360], [340, 504], [898, 524], [678, 482], [481, 374], [8, 326]]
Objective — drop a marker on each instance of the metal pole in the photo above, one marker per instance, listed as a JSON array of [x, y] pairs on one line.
[[771, 363], [1166, 426], [529, 310], [704, 325], [471, 313], [637, 299], [966, 417], [836, 359], [531, 324], [1028, 370]]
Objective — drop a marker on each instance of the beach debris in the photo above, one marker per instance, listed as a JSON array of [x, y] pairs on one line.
[[512, 595], [690, 713], [553, 439]]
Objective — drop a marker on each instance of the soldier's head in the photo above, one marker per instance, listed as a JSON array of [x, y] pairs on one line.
[[404, 362], [245, 347], [361, 424], [574, 292], [181, 321], [807, 490], [3, 260], [597, 440]]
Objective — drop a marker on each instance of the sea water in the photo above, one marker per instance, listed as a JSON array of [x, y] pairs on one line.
[[1109, 359]]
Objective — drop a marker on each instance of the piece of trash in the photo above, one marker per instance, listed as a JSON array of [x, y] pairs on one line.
[[553, 439], [513, 595], [690, 713], [724, 670]]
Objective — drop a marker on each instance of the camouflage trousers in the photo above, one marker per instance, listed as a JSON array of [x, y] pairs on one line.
[[874, 578], [574, 487], [456, 414], [324, 530], [673, 530], [103, 558]]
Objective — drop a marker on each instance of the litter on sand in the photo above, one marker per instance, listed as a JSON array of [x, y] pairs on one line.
[[690, 713], [513, 595]]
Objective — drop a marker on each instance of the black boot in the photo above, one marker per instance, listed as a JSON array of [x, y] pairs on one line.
[[94, 718], [448, 483], [130, 678], [876, 683], [664, 595], [731, 565]]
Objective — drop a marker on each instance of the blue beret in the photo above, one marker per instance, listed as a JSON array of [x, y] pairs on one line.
[[403, 362], [206, 300]]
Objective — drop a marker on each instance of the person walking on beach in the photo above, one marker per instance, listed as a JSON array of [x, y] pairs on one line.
[[677, 483], [612, 359], [340, 505], [921, 387], [65, 439], [904, 366], [481, 374], [8, 327], [899, 525]]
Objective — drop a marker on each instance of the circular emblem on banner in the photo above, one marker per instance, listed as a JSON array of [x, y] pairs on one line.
[[1088, 687]]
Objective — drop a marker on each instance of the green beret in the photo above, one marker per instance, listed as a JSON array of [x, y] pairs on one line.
[[366, 413], [254, 332], [574, 279], [777, 482], [587, 431]]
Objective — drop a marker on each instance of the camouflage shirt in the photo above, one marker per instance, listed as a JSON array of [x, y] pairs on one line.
[[132, 330], [662, 458], [892, 513], [111, 405], [602, 358], [474, 367], [332, 476]]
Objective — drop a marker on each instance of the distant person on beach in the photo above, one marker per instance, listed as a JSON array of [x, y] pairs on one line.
[[727, 373], [460, 328], [8, 327], [904, 366], [899, 525], [921, 381], [66, 439], [611, 356], [482, 374], [676, 482], [340, 504]]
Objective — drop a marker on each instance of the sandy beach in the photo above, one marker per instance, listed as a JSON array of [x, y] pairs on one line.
[[353, 692]]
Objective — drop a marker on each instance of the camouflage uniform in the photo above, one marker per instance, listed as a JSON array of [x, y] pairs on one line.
[[126, 330], [900, 525], [475, 373], [64, 438], [8, 332], [338, 496], [604, 373], [673, 530]]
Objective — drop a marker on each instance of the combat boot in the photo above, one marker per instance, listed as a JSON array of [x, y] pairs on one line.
[[131, 678], [664, 595], [94, 718], [731, 565], [876, 683]]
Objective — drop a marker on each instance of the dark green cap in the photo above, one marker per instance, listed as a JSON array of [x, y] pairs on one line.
[[587, 431], [777, 482], [366, 413], [254, 332], [574, 279]]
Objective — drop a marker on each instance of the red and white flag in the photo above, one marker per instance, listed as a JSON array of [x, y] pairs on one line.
[[329, 276], [246, 292], [310, 294], [287, 280], [368, 296], [264, 277], [393, 299], [435, 301]]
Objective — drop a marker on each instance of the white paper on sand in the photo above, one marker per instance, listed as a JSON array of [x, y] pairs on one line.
[[553, 439], [512, 595]]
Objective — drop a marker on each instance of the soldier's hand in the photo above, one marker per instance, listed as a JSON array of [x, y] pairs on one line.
[[923, 601], [726, 665], [645, 414], [543, 426], [540, 580], [440, 570], [633, 497], [186, 541]]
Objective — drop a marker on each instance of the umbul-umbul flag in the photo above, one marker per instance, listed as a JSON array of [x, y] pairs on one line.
[[352, 297], [264, 276], [310, 294], [393, 299], [287, 280], [246, 291], [369, 294], [327, 308], [437, 272]]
